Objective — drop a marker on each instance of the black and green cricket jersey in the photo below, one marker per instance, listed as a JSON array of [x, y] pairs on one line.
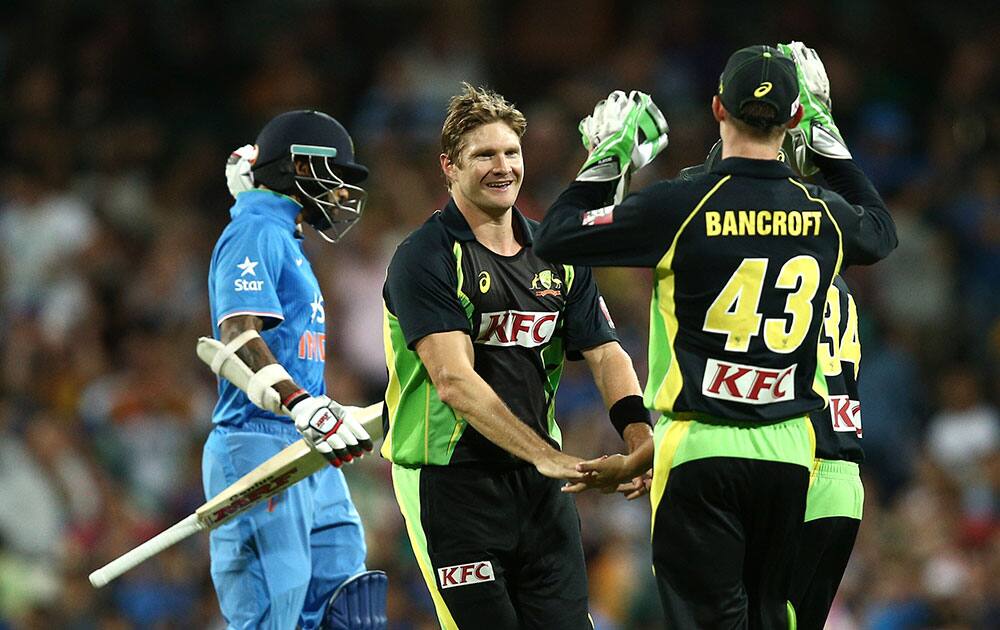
[[838, 427], [524, 316], [744, 255]]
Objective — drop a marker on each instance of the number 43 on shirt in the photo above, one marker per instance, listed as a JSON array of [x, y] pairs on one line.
[[734, 312]]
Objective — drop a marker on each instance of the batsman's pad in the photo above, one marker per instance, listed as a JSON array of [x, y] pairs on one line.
[[359, 603]]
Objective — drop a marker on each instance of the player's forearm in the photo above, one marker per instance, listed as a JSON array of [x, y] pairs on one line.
[[255, 353], [846, 179], [473, 399], [877, 235], [619, 386], [561, 237], [613, 372], [638, 438]]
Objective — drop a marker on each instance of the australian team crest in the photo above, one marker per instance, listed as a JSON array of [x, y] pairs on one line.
[[546, 283]]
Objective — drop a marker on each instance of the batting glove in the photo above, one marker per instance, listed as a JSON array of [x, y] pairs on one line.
[[238, 176], [326, 426], [816, 133]]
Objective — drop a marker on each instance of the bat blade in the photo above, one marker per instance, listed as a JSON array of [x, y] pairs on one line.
[[289, 466], [292, 464]]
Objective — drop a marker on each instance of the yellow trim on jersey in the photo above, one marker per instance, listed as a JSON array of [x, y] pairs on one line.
[[427, 423], [456, 250], [667, 436], [840, 233], [570, 276], [394, 389], [812, 439], [673, 381], [456, 434], [825, 395]]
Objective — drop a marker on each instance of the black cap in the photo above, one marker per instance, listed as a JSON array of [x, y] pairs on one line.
[[306, 127], [760, 74]]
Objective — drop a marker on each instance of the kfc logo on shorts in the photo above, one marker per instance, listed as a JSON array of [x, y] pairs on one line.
[[465, 574], [517, 328], [748, 383], [846, 414]]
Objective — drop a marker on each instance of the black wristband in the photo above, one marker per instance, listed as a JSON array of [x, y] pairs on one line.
[[628, 410], [295, 398]]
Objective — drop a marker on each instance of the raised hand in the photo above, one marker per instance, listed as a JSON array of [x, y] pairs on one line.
[[238, 176], [624, 131], [816, 133]]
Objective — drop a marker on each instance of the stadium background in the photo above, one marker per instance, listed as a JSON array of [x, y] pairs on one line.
[[115, 122]]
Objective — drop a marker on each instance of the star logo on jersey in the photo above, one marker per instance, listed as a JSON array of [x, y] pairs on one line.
[[546, 283], [298, 262], [247, 267]]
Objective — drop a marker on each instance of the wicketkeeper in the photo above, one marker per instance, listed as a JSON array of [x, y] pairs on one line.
[[743, 257]]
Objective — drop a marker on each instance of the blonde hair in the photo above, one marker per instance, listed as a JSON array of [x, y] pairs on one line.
[[474, 108]]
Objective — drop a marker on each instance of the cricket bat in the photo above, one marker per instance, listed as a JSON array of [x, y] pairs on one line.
[[292, 464]]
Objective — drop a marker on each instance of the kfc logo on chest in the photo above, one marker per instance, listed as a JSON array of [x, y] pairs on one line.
[[748, 383], [846, 414], [465, 574], [517, 328]]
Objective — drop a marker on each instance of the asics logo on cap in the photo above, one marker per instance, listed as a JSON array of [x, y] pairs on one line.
[[763, 89]]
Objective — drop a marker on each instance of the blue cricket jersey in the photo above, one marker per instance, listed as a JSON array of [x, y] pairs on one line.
[[259, 268]]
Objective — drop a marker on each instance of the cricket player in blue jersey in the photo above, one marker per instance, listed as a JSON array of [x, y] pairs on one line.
[[297, 560]]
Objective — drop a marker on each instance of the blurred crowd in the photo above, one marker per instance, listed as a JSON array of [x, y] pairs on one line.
[[116, 119]]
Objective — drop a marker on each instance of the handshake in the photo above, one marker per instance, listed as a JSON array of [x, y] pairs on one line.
[[623, 134]]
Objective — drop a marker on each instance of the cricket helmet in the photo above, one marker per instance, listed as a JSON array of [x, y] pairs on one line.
[[321, 144]]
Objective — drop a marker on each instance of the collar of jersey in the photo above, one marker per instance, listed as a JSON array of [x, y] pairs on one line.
[[454, 221], [753, 168], [269, 204]]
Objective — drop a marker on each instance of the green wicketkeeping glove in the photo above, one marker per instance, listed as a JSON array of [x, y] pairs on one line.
[[625, 132], [653, 130], [816, 133]]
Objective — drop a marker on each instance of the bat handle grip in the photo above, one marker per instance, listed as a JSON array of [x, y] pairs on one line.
[[146, 550]]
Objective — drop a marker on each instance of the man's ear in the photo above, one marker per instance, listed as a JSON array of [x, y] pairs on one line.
[[447, 167], [301, 166], [718, 110]]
